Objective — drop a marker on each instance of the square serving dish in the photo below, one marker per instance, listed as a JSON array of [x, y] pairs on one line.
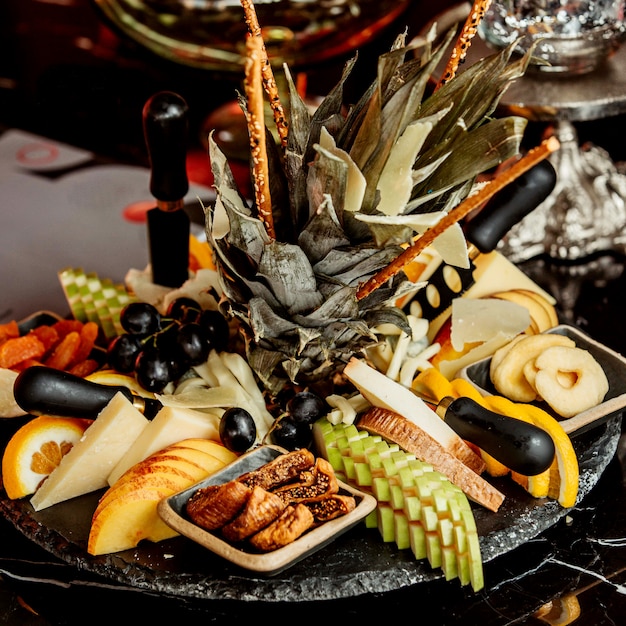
[[613, 364], [172, 512]]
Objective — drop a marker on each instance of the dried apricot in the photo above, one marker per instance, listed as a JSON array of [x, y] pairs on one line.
[[88, 336], [84, 368], [47, 335], [22, 365], [64, 353], [65, 327], [18, 349], [9, 330]]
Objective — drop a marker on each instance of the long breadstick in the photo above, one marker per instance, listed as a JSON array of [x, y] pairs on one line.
[[464, 40], [256, 132], [471, 203], [269, 82]]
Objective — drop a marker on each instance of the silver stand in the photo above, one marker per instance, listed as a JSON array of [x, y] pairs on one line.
[[586, 212]]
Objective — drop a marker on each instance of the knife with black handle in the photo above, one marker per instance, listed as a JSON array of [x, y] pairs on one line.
[[521, 446], [165, 130], [483, 233], [41, 390]]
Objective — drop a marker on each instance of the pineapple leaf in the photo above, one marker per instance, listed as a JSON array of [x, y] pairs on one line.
[[348, 193]]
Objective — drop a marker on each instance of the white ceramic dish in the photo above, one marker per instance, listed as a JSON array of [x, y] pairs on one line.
[[613, 363], [172, 511]]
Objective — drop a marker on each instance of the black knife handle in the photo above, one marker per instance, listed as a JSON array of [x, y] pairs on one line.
[[510, 205], [521, 446], [165, 127], [40, 390]]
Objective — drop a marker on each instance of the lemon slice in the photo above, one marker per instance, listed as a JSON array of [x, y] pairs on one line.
[[564, 484], [114, 378], [8, 406], [35, 450]]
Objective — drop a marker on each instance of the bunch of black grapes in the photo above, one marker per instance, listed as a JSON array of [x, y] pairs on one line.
[[158, 349]]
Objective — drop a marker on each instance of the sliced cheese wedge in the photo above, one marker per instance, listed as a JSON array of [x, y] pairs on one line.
[[171, 425], [87, 465], [381, 391]]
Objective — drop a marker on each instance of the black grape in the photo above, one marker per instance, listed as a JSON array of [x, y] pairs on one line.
[[217, 329], [307, 407], [153, 370], [184, 310], [192, 343], [237, 429], [123, 351], [290, 434], [140, 318]]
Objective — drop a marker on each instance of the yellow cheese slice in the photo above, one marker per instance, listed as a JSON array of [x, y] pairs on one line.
[[171, 425], [494, 272], [87, 465]]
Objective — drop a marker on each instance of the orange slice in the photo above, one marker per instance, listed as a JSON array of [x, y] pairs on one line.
[[35, 450]]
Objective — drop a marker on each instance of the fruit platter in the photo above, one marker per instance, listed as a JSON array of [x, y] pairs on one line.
[[343, 388]]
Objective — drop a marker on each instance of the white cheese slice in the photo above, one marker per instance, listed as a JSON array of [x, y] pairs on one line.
[[171, 425], [452, 369], [481, 320], [86, 466], [381, 391], [493, 273]]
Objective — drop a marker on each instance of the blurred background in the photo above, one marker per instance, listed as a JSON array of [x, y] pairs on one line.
[[67, 73]]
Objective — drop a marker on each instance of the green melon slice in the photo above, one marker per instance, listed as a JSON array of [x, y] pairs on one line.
[[418, 507]]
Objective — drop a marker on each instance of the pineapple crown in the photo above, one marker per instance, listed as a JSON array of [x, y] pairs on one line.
[[345, 193]]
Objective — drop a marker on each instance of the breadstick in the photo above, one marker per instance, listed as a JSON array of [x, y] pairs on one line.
[[529, 160], [464, 40], [256, 131], [269, 82]]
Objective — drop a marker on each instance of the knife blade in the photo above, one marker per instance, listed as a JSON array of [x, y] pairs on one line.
[[521, 446], [483, 233], [165, 132]]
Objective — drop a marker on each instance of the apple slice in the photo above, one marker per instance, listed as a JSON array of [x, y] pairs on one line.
[[207, 462], [548, 306], [165, 463], [209, 446], [125, 521], [153, 480], [127, 512]]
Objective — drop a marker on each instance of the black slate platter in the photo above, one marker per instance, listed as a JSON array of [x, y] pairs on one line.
[[356, 563]]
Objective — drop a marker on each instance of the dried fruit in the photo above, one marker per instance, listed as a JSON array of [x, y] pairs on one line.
[[569, 380], [13, 351], [64, 352], [9, 330]]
